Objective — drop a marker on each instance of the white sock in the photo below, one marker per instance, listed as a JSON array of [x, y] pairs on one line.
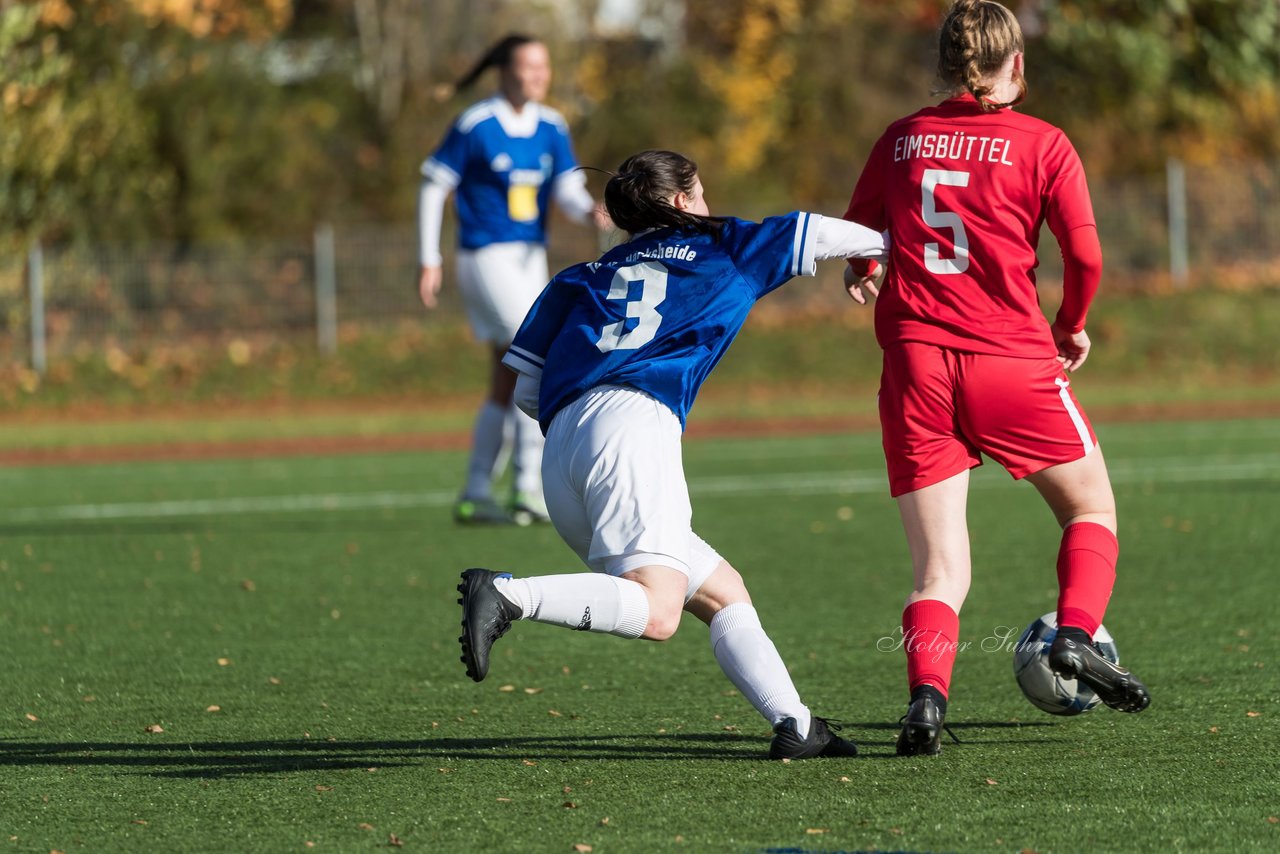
[[486, 444], [751, 661], [504, 450], [527, 455], [589, 602]]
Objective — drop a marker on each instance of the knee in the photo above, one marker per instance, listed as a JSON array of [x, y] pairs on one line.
[[663, 623]]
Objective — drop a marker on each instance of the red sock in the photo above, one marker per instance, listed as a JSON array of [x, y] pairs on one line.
[[1086, 575], [929, 632]]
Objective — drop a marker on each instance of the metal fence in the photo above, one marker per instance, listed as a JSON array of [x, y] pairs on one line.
[[1190, 224]]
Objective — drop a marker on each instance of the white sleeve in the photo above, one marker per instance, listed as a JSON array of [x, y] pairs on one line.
[[526, 394], [839, 238], [570, 192], [431, 199]]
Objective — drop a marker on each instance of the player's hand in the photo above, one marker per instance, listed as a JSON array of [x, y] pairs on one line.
[[429, 285], [1073, 347], [857, 282]]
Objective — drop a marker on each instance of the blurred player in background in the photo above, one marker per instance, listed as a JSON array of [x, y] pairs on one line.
[[610, 360], [507, 156], [970, 364]]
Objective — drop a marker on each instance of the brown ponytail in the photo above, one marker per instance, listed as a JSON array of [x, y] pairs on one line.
[[637, 196], [499, 55], [975, 39]]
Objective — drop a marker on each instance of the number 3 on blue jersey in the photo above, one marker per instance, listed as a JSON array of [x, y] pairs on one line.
[[652, 276]]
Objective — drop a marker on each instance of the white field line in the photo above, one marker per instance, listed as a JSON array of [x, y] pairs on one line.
[[1172, 470]]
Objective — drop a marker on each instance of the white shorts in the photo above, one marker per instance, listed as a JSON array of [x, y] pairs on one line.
[[499, 283], [614, 483]]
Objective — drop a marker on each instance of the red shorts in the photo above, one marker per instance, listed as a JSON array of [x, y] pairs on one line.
[[941, 409]]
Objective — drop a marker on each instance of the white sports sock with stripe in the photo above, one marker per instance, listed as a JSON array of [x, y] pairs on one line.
[[589, 602], [486, 445], [752, 663]]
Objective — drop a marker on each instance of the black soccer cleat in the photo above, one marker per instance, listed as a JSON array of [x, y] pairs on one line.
[[1116, 686], [486, 616], [923, 724], [822, 740]]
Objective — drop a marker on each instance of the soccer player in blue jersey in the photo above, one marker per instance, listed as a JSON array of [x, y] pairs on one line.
[[507, 157], [610, 359]]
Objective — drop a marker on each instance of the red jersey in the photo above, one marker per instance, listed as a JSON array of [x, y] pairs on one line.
[[963, 193]]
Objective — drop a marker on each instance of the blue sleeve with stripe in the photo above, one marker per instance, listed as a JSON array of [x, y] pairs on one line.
[[449, 161], [772, 252]]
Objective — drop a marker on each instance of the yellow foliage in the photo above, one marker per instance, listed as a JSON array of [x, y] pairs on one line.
[[218, 18], [56, 13], [748, 82]]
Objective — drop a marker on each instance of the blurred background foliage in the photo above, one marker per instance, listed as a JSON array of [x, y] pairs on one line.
[[191, 120]]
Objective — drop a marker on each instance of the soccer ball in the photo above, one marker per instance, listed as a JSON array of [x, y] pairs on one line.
[[1045, 689]]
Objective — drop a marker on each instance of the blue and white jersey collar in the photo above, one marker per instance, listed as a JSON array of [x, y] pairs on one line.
[[517, 125]]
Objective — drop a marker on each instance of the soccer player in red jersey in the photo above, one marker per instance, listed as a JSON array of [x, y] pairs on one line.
[[971, 366]]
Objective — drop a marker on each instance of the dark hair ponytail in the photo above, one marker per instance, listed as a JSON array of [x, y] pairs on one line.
[[638, 195], [497, 56]]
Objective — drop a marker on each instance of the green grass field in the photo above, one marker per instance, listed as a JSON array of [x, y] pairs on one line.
[[291, 626]]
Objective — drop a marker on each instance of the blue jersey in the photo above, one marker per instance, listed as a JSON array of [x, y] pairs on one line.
[[503, 165], [655, 314]]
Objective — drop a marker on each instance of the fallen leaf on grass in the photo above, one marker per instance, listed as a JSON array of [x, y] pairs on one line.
[[991, 782], [138, 821], [248, 585], [395, 840], [581, 848], [504, 800], [845, 780], [364, 825], [89, 698], [566, 790], [213, 708], [507, 688], [604, 821], [324, 788], [815, 830], [274, 680], [1213, 729], [569, 805], [528, 762], [309, 844], [786, 761], [533, 690], [554, 713], [445, 770], [31, 717], [1271, 819], [154, 728], [1253, 714]]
